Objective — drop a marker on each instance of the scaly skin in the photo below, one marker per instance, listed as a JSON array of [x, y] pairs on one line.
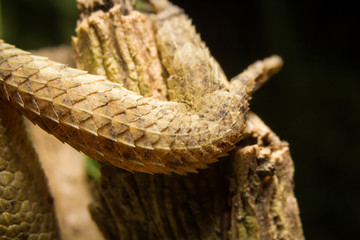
[[203, 120], [26, 206], [116, 126]]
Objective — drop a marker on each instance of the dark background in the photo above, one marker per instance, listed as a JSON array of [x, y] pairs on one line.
[[314, 103]]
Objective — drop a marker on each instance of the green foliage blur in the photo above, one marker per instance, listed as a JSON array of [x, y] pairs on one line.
[[34, 24], [314, 103]]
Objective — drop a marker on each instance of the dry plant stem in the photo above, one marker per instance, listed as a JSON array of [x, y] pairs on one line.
[[195, 80], [263, 203], [254, 200], [26, 207], [129, 43], [248, 195]]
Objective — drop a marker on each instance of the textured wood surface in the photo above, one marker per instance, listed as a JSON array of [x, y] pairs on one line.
[[247, 195]]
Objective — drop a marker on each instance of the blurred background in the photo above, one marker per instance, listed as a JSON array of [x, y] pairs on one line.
[[314, 103]]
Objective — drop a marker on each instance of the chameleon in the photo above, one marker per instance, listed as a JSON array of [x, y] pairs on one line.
[[202, 120]]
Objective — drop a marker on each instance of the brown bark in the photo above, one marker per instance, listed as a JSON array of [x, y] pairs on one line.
[[248, 195]]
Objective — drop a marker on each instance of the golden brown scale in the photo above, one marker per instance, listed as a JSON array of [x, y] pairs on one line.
[[26, 207], [129, 131], [113, 125]]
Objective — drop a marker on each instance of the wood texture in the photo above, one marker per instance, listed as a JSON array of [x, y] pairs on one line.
[[247, 195]]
